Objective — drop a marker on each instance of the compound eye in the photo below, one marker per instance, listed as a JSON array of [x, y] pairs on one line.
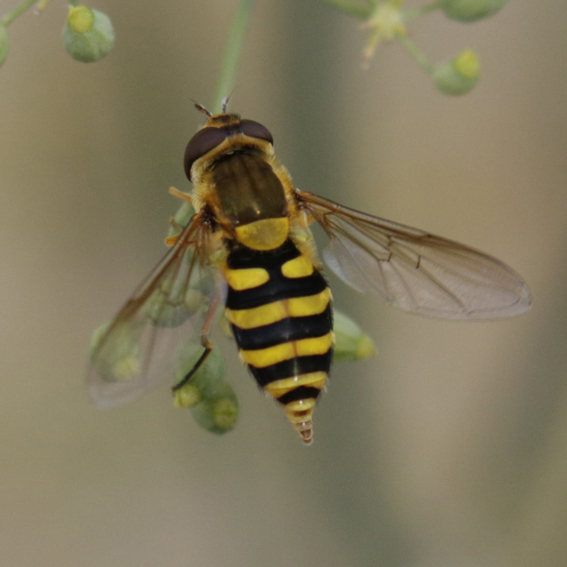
[[256, 130], [201, 143]]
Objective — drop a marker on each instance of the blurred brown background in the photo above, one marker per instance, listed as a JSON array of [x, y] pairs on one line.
[[448, 449]]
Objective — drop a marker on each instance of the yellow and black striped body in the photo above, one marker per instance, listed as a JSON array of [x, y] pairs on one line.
[[278, 303], [279, 307]]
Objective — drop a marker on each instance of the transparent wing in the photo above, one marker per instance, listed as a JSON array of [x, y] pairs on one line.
[[413, 269], [159, 328]]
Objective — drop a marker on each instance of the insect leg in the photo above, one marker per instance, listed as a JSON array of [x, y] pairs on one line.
[[193, 370], [184, 196], [174, 224], [171, 240], [207, 345]]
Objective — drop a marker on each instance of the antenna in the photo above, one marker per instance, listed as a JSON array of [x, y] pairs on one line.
[[225, 100], [201, 108]]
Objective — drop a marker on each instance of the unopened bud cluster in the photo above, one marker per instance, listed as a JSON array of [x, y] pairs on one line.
[[219, 412], [387, 21], [88, 34], [213, 403], [351, 342], [459, 75]]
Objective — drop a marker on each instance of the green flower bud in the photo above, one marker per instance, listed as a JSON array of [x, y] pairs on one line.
[[458, 76], [80, 19], [173, 303], [219, 412], [119, 360], [471, 10], [4, 44], [351, 342], [166, 306], [205, 382], [88, 34]]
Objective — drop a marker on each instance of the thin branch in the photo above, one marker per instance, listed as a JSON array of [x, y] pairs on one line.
[[415, 52], [232, 52], [17, 12]]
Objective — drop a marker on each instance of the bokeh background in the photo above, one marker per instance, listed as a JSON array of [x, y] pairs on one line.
[[447, 449]]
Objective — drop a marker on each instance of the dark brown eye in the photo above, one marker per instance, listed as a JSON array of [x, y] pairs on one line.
[[202, 142], [256, 130]]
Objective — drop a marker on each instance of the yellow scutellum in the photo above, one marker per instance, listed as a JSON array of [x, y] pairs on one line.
[[385, 23]]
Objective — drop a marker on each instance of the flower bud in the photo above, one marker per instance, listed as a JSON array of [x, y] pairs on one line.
[[385, 23], [119, 359], [205, 382], [219, 412], [166, 307], [459, 75], [351, 342], [471, 10], [88, 34], [4, 44]]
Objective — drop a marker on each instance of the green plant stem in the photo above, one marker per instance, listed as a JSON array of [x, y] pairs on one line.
[[352, 8], [232, 52], [412, 13], [42, 4], [17, 12], [415, 52]]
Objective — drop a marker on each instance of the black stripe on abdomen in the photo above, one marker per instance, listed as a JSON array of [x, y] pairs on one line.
[[283, 327], [289, 329], [299, 393], [292, 367], [278, 287], [241, 257]]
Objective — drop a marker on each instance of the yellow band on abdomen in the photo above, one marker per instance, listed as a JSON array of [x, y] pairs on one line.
[[285, 385], [246, 278], [299, 267], [314, 345], [257, 316], [278, 310], [310, 305], [262, 357]]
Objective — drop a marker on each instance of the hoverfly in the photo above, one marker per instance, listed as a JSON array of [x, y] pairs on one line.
[[249, 246]]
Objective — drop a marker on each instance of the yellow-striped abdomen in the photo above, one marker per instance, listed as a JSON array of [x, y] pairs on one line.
[[283, 327]]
